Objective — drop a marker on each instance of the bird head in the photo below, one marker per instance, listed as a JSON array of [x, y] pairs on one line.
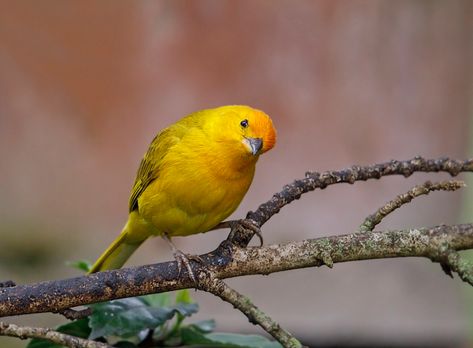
[[250, 132]]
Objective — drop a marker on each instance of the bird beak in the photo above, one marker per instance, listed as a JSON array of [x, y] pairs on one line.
[[254, 145]]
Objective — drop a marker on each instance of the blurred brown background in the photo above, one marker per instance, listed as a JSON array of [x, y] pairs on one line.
[[85, 85]]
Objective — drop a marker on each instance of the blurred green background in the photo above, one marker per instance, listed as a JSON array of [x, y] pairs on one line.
[[85, 85]]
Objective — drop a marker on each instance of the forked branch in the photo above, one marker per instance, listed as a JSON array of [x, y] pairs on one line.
[[232, 259]]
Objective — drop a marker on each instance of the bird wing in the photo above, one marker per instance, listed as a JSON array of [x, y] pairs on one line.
[[148, 170]]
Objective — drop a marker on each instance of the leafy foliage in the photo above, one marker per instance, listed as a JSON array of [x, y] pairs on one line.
[[81, 265], [153, 321]]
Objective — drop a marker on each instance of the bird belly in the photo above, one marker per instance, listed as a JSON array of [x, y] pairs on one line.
[[190, 204]]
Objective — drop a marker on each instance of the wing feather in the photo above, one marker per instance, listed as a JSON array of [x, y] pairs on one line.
[[148, 170]]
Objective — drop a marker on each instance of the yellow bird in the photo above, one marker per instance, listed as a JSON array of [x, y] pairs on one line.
[[193, 176]]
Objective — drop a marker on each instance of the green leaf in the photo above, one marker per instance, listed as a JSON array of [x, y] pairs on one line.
[[183, 296], [192, 337], [125, 344], [186, 309], [128, 317], [238, 340], [39, 343], [204, 326], [157, 300], [78, 328], [81, 265], [125, 318]]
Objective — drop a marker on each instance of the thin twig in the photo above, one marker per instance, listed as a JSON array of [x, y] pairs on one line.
[[371, 221], [207, 282], [315, 180], [25, 332], [73, 314], [451, 261], [56, 295]]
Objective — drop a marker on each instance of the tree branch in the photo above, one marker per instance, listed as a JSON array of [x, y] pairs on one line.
[[371, 221], [57, 295], [219, 288], [25, 332], [315, 180]]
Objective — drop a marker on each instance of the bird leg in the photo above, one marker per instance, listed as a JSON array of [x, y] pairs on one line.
[[246, 224], [182, 259]]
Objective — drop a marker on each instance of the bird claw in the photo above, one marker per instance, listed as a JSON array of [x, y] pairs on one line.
[[246, 224], [184, 259]]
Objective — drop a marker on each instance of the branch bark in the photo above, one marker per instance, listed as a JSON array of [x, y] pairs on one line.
[[231, 259], [209, 283], [57, 295], [316, 180], [375, 219], [25, 332]]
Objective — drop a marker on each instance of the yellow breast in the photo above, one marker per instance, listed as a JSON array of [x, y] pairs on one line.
[[195, 190]]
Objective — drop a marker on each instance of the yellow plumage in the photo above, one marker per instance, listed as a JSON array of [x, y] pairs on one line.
[[194, 175]]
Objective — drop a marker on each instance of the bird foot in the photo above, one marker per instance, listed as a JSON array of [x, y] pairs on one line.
[[245, 224], [183, 259]]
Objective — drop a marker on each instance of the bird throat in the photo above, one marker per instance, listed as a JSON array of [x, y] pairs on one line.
[[233, 167]]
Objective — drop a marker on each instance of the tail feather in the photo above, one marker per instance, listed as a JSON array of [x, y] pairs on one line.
[[115, 256], [119, 251]]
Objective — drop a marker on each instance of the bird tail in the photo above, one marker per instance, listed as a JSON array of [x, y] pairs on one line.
[[119, 251]]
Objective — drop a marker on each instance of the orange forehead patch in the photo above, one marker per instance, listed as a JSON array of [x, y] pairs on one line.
[[263, 127]]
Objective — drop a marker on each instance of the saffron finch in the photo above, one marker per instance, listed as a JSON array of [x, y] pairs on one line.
[[193, 176]]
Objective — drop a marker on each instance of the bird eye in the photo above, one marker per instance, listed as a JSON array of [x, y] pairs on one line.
[[244, 123]]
